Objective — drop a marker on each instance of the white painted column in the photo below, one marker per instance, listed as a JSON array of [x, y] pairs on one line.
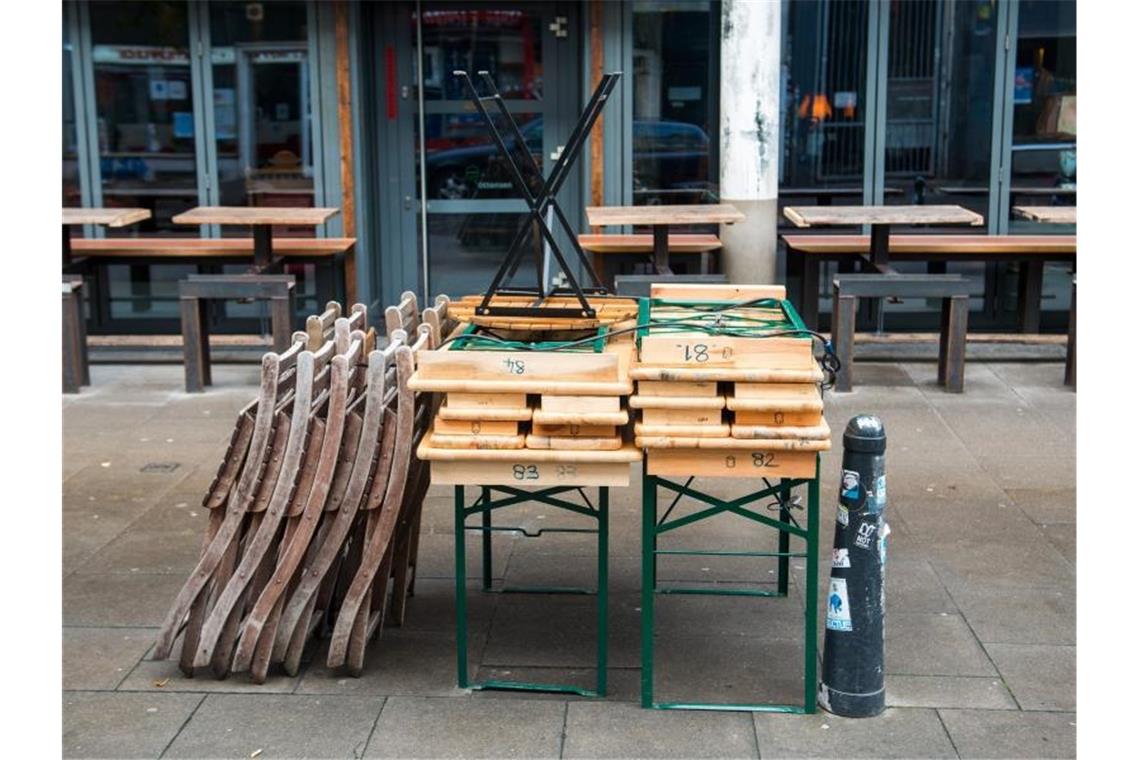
[[750, 135]]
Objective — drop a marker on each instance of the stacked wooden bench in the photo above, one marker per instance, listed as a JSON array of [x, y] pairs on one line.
[[807, 253], [713, 404], [314, 508], [514, 410]]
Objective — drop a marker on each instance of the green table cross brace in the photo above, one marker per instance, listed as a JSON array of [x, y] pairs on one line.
[[653, 526], [493, 497]]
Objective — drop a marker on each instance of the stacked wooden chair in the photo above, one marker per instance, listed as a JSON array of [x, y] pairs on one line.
[[315, 504]]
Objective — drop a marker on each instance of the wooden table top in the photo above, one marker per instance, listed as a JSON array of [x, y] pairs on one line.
[[811, 216], [254, 215], [1047, 214], [112, 217], [720, 213]]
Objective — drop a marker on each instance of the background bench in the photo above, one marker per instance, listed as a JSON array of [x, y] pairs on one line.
[[640, 246], [807, 253], [328, 254], [196, 291], [953, 289]]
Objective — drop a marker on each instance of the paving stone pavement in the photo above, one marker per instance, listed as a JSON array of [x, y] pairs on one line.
[[981, 587]]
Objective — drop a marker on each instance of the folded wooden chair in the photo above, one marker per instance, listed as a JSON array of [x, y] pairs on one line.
[[310, 396], [236, 491], [303, 517], [362, 609], [312, 598]]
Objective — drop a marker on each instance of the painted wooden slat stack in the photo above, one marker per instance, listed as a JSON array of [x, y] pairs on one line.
[[714, 398], [520, 412]]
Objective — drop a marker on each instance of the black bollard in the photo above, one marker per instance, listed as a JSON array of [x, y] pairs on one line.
[[852, 684]]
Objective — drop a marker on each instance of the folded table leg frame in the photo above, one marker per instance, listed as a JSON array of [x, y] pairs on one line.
[[494, 497], [654, 525]]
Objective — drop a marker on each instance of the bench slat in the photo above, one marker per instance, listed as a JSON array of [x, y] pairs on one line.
[[678, 243], [206, 247], [902, 245], [902, 285]]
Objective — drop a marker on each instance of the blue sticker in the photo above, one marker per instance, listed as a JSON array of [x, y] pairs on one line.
[[838, 611], [849, 485]]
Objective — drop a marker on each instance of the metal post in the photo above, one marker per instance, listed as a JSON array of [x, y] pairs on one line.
[[853, 683], [603, 597], [484, 501], [460, 591], [782, 540], [648, 583], [262, 245], [811, 593]]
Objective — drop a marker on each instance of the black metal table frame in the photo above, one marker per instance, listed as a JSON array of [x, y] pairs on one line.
[[538, 202]]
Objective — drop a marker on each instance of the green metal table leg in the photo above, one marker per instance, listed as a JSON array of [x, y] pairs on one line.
[[460, 589], [786, 526], [648, 583], [486, 499], [782, 541], [603, 600], [484, 505], [811, 605]]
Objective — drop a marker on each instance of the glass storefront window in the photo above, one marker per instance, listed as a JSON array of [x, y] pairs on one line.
[[1043, 161], [145, 118], [262, 108], [939, 109], [823, 102], [503, 41], [675, 76], [71, 193]]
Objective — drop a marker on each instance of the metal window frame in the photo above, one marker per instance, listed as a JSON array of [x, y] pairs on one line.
[[1002, 127]]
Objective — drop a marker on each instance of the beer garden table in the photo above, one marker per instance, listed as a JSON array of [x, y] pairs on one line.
[[660, 218], [111, 217], [261, 219], [1047, 214], [881, 218]]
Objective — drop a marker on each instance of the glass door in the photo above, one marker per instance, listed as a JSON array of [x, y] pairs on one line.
[[472, 210]]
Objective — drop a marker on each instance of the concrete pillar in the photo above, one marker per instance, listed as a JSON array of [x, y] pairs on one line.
[[750, 136]]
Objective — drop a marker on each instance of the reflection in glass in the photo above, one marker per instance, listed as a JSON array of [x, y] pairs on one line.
[[940, 73], [824, 67], [1044, 150], [71, 193], [463, 161], [673, 113], [144, 111], [466, 249], [505, 42], [262, 111]]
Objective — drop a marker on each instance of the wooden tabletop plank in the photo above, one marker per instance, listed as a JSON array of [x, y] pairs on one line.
[[721, 213], [811, 216], [252, 215], [112, 217], [1047, 214]]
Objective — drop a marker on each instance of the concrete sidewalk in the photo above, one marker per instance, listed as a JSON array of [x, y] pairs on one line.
[[980, 600]]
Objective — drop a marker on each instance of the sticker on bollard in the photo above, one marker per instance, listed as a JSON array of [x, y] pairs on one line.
[[852, 683]]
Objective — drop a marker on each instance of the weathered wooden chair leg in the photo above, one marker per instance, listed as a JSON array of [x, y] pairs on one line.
[[952, 343], [281, 317], [1071, 347], [843, 338], [195, 344]]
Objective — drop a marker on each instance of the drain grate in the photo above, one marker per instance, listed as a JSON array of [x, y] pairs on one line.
[[159, 467]]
